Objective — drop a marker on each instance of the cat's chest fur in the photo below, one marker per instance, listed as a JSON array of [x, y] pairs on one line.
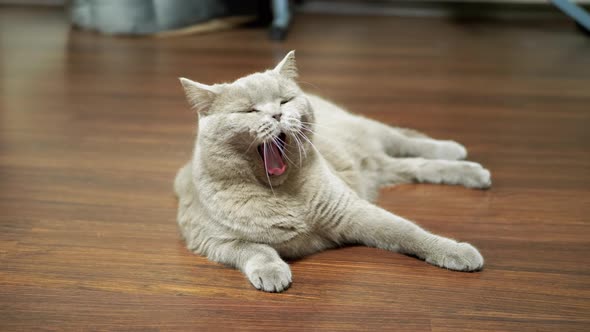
[[252, 212]]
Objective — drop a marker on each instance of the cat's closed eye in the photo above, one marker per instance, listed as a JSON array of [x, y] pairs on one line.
[[284, 101], [251, 110]]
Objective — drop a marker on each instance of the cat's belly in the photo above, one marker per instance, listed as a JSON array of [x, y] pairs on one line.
[[303, 245], [351, 145]]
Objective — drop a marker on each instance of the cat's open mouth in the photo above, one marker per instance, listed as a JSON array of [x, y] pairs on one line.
[[272, 156]]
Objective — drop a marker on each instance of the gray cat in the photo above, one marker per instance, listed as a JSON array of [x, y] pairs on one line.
[[278, 173]]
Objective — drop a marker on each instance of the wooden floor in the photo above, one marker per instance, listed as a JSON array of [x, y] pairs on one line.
[[93, 129]]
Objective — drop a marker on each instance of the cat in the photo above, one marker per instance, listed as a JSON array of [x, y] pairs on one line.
[[278, 174]]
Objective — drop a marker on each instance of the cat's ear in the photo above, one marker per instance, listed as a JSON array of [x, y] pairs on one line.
[[200, 96], [287, 66]]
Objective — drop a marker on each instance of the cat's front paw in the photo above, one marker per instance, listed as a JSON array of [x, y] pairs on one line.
[[475, 176], [269, 277], [449, 150], [457, 256]]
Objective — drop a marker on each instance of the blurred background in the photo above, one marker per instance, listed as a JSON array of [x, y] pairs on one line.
[[173, 17]]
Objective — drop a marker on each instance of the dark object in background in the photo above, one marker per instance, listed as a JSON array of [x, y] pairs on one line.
[[277, 14], [577, 13], [278, 33], [163, 17], [281, 19], [582, 29]]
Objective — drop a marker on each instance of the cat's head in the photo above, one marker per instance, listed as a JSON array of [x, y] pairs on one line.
[[258, 126]]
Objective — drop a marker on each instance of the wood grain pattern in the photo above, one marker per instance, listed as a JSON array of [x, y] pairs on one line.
[[93, 129]]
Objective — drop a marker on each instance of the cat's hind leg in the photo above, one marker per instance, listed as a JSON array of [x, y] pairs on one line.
[[453, 172], [373, 226], [411, 133], [401, 142]]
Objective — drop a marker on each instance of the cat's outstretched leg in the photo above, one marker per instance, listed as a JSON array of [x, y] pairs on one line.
[[399, 142], [259, 262], [374, 227], [406, 170], [411, 133]]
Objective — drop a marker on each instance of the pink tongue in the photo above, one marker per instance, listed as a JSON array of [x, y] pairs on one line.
[[273, 161]]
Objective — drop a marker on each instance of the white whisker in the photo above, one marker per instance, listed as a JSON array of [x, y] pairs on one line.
[[266, 169], [299, 146], [283, 152], [319, 135], [309, 141], [310, 84], [308, 124], [250, 146]]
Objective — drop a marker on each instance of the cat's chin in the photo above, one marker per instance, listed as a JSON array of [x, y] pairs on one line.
[[275, 181]]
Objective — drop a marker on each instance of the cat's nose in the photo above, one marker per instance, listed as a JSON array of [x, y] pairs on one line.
[[277, 116]]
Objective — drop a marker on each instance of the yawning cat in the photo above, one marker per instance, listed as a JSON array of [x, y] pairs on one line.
[[279, 173]]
